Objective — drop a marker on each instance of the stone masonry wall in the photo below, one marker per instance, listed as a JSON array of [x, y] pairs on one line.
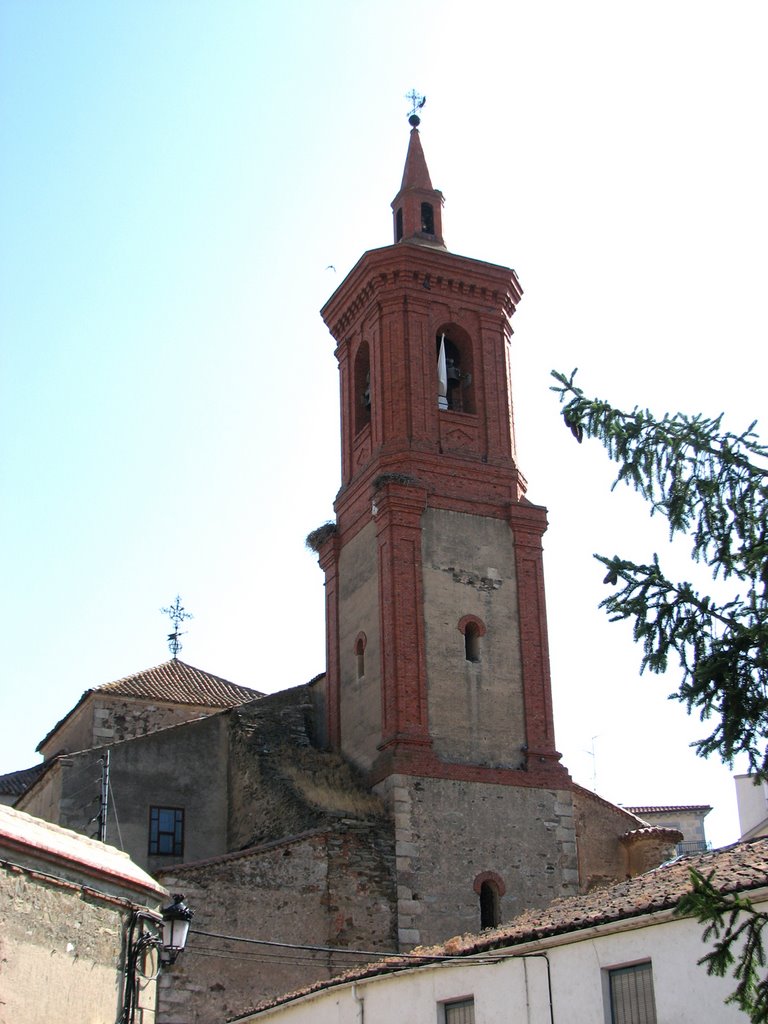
[[328, 889], [600, 825], [447, 833]]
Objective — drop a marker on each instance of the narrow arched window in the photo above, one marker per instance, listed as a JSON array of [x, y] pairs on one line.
[[399, 225], [427, 219], [472, 642], [472, 629], [362, 385], [489, 887], [490, 905], [360, 655]]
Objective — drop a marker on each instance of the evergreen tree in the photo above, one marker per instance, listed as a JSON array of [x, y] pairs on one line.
[[712, 486]]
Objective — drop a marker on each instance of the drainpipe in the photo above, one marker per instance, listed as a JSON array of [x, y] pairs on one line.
[[545, 958], [360, 1000]]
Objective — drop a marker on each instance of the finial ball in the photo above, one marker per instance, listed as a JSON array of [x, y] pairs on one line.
[[414, 120]]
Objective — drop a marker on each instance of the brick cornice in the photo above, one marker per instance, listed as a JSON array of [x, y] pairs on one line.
[[424, 273]]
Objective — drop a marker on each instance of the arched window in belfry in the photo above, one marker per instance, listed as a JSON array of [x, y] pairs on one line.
[[399, 224], [362, 385], [427, 219], [460, 389]]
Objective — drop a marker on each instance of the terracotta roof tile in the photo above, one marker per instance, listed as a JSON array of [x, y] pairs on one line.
[[15, 783], [179, 683], [668, 809]]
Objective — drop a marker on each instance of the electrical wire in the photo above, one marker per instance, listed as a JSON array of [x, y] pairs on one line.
[[370, 954]]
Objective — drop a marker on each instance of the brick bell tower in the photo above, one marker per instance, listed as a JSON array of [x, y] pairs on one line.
[[437, 656]]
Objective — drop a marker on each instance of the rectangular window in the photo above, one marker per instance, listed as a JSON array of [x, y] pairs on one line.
[[166, 831], [460, 1012], [631, 994]]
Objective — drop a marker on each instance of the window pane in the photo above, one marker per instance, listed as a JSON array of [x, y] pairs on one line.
[[460, 1013], [632, 999], [166, 831]]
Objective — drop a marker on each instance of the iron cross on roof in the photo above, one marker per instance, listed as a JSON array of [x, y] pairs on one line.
[[177, 614], [417, 101]]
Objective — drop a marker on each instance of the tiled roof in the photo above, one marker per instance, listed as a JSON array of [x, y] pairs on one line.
[[179, 683], [737, 868], [14, 783], [672, 809], [172, 682]]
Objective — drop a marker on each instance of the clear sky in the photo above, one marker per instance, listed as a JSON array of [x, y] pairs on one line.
[[176, 178]]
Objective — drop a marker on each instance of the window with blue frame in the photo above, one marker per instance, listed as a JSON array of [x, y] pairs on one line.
[[166, 831]]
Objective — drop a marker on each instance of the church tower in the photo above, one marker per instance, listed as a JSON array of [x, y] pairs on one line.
[[437, 657]]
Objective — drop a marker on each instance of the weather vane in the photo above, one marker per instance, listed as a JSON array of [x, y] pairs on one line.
[[417, 101], [177, 614]]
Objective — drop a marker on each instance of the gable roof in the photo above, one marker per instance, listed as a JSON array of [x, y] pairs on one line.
[[172, 682], [737, 868], [15, 783]]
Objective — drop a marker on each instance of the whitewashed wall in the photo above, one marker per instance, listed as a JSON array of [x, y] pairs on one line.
[[516, 990]]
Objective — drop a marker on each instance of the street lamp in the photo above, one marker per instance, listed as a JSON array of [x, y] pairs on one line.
[[176, 918], [148, 950]]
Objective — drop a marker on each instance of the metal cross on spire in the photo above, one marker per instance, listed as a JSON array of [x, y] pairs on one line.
[[177, 614], [417, 101]]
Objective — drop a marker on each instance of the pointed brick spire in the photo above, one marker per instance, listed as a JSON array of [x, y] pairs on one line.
[[416, 173], [418, 206]]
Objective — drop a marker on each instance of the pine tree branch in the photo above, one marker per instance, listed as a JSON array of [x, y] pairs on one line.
[[737, 930], [713, 486]]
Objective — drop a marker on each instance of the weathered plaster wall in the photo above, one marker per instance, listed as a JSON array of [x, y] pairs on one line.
[[60, 952], [689, 822], [475, 708], [359, 613], [447, 833], [44, 799], [183, 767]]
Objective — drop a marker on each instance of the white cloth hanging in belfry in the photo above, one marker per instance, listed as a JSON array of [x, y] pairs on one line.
[[442, 376]]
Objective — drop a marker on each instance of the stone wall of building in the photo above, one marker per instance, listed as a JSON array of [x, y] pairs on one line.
[[450, 834], [280, 784], [184, 768], [101, 720], [65, 907], [605, 855], [329, 889], [61, 945]]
